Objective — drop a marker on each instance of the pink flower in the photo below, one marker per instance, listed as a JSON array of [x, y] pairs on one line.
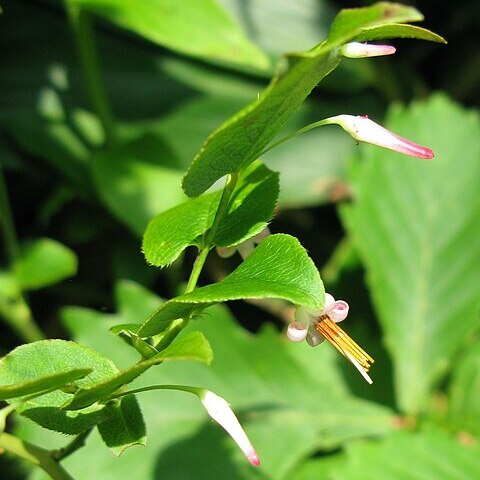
[[363, 129], [362, 50], [221, 412], [315, 326]]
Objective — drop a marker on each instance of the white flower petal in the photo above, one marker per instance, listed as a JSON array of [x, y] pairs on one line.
[[221, 412]]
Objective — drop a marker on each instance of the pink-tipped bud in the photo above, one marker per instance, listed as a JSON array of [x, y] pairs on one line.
[[363, 129], [296, 332], [221, 412], [363, 50], [339, 312]]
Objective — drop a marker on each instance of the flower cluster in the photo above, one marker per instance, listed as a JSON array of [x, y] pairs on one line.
[[315, 326]]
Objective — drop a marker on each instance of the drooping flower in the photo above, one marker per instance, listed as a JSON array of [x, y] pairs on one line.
[[245, 248], [317, 325], [363, 129], [363, 50], [221, 412]]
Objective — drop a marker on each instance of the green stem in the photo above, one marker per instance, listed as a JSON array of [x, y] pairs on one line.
[[6, 223], [18, 315], [207, 244], [84, 38], [77, 443], [320, 123], [183, 388], [36, 455]]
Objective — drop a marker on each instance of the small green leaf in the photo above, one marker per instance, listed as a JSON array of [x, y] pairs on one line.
[[278, 268], [138, 179], [251, 208], [44, 262], [398, 31], [182, 26], [193, 346], [125, 427], [464, 392], [51, 357], [42, 384], [351, 22], [169, 233]]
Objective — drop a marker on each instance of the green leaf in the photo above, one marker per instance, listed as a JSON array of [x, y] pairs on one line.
[[169, 233], [278, 268], [429, 455], [125, 427], [464, 408], [193, 346], [41, 384], [398, 31], [242, 138], [411, 233], [287, 409], [44, 262], [50, 358], [138, 179], [251, 207], [182, 28], [351, 22]]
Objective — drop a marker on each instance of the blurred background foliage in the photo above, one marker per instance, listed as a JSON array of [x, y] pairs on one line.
[[397, 238]]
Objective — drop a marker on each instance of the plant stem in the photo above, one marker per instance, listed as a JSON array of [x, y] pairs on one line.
[[207, 244], [84, 39], [36, 455], [6, 223], [19, 316], [73, 446], [305, 129]]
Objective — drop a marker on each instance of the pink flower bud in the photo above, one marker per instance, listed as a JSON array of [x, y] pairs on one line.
[[362, 50], [221, 412], [361, 128]]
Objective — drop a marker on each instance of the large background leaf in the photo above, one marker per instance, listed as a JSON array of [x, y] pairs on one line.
[[201, 29], [427, 455], [288, 410], [416, 226]]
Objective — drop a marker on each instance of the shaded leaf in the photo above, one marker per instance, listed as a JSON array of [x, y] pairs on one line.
[[44, 262], [278, 268], [138, 179], [182, 28], [125, 427], [409, 456], [398, 31], [417, 236]]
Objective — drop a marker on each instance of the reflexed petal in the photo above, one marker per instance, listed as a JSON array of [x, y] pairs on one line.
[[339, 312], [296, 332]]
